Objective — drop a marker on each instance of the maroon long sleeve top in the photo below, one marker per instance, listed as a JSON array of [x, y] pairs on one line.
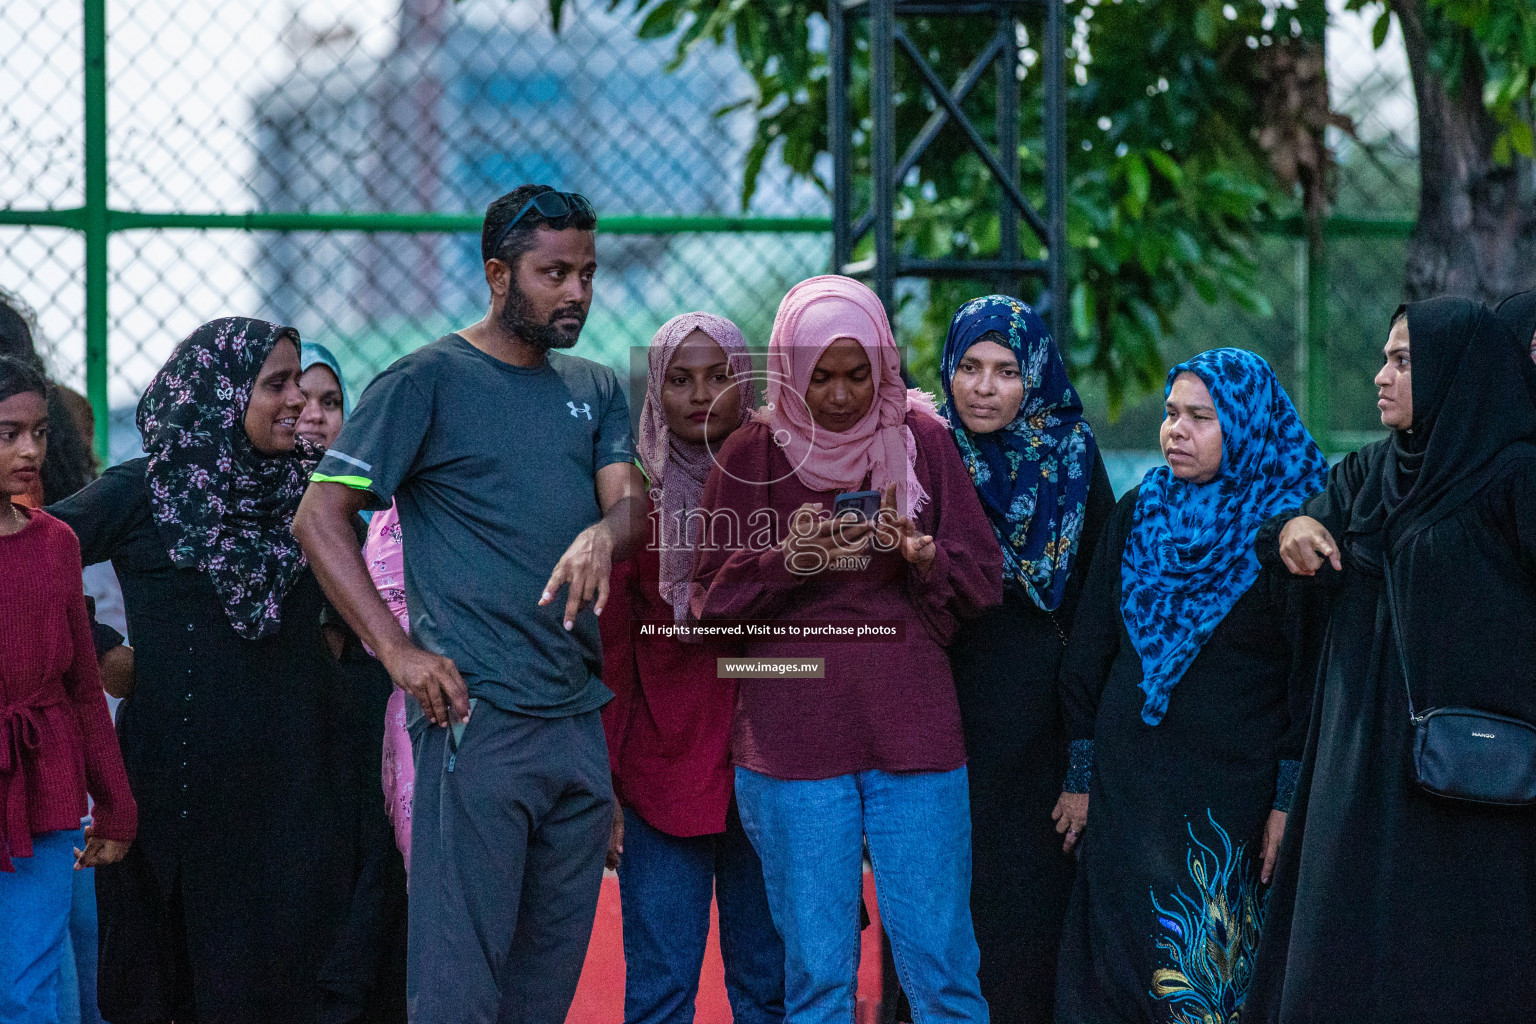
[[56, 738], [885, 705], [669, 723]]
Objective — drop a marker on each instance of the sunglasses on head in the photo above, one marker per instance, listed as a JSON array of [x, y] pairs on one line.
[[552, 206]]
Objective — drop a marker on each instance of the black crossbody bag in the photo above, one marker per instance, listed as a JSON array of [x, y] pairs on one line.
[[1463, 753]]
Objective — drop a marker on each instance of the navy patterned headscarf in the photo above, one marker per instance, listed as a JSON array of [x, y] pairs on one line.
[[220, 506], [1032, 475], [1189, 557]]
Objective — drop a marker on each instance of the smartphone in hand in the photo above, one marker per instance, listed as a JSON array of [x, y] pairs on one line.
[[865, 504]]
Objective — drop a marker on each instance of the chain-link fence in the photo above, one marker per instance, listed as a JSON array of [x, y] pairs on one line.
[[374, 106], [334, 120], [1374, 202]]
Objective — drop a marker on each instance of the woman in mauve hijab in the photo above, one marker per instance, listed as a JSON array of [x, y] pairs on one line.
[[870, 747], [679, 841]]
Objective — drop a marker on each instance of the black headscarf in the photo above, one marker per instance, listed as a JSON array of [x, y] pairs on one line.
[[222, 507], [1472, 398], [1519, 311]]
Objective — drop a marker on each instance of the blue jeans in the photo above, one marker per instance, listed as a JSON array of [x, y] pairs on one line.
[[811, 835], [77, 965], [34, 909], [77, 973], [665, 883]]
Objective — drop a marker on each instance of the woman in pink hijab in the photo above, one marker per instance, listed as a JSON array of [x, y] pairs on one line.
[[680, 840], [866, 745]]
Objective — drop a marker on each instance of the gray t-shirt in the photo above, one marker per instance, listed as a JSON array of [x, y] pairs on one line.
[[493, 469]]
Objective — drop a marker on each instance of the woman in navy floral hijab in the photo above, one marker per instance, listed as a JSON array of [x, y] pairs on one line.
[[1019, 427], [222, 504], [1033, 474]]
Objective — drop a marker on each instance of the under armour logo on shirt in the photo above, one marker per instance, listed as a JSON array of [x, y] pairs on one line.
[[583, 408]]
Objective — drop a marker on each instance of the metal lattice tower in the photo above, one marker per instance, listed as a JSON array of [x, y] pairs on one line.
[[886, 39]]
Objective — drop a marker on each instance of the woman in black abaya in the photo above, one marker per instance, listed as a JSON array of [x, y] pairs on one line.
[[1018, 424], [1391, 904], [236, 736]]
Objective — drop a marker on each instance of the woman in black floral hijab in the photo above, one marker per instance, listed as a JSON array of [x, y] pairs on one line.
[[223, 488], [239, 739]]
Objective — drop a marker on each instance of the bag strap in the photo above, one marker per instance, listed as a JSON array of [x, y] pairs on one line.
[[1397, 631]]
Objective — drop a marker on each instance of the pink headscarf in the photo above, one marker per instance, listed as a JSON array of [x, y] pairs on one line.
[[677, 468], [812, 316]]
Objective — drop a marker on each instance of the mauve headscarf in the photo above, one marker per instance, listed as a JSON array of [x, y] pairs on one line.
[[814, 314], [677, 469]]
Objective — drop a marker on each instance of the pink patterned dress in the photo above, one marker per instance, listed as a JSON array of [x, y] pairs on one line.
[[385, 556]]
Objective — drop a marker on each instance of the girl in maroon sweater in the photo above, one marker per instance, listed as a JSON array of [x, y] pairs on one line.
[[56, 738]]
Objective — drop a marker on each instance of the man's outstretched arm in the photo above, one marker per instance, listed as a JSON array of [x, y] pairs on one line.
[[586, 564], [323, 526]]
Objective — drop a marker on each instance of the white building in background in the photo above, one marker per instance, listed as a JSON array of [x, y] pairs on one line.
[[473, 100]]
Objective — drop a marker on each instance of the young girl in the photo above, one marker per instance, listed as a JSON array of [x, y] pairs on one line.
[[56, 739]]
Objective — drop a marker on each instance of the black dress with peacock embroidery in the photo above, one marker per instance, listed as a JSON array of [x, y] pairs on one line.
[[1167, 909]]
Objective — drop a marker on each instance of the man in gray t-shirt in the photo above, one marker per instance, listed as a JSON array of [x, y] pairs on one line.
[[492, 468], [511, 469]]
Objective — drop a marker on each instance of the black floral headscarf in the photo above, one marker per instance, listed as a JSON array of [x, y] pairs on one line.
[[222, 507]]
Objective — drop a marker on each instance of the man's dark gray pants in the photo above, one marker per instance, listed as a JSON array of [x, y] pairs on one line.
[[508, 837]]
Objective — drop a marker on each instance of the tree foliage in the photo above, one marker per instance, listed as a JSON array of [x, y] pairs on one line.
[[1188, 122], [1499, 37]]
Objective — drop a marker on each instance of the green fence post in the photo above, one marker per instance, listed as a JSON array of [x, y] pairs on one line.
[[96, 224], [1319, 405]]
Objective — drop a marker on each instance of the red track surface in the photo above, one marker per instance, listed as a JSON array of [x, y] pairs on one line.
[[600, 996]]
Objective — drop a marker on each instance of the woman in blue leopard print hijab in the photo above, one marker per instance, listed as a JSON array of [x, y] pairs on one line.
[[1190, 553], [1186, 691]]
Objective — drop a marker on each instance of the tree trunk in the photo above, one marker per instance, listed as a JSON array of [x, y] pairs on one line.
[[1476, 232]]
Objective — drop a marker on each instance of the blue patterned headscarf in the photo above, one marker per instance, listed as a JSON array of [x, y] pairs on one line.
[[1189, 557], [313, 354], [1033, 474]]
